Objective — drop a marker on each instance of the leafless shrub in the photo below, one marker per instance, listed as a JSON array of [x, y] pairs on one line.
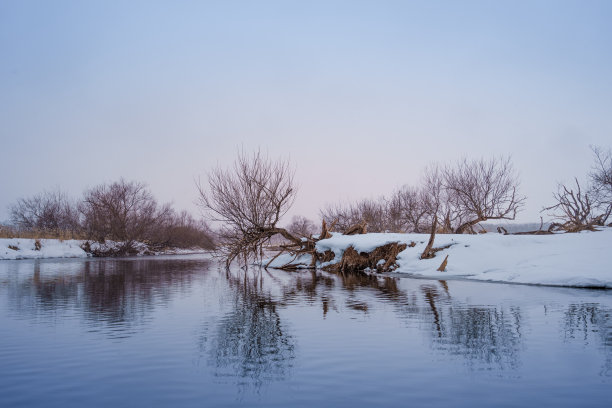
[[121, 211], [249, 198], [481, 190], [601, 172], [601, 181], [372, 212], [181, 230], [50, 212], [407, 211], [301, 226], [574, 209], [455, 199]]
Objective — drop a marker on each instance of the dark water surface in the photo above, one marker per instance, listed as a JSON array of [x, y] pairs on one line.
[[179, 331]]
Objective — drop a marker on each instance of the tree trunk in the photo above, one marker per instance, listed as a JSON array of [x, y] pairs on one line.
[[428, 253]]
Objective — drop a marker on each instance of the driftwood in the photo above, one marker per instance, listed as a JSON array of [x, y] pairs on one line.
[[381, 259], [298, 247], [536, 232], [361, 228], [442, 267]]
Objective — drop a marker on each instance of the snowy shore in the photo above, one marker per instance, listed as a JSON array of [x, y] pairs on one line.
[[579, 260], [22, 248]]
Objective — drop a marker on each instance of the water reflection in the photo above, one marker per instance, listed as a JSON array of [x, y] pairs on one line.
[[244, 334], [485, 336], [587, 322], [110, 294], [250, 343]]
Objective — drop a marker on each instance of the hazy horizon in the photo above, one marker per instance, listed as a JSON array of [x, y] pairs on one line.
[[360, 96]]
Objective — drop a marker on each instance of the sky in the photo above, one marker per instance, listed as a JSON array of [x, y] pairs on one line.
[[359, 95]]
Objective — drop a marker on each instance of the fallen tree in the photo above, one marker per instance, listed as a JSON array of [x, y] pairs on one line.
[[250, 199]]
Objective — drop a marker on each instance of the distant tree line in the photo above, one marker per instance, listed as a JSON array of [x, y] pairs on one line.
[[124, 211], [456, 197], [461, 196]]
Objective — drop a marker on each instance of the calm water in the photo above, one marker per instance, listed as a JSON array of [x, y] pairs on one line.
[[179, 331]]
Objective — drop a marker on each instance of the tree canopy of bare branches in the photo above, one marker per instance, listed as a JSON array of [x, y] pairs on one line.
[[250, 199], [576, 208], [481, 190], [407, 210], [122, 211], [301, 226], [455, 198], [49, 211], [372, 212], [601, 181]]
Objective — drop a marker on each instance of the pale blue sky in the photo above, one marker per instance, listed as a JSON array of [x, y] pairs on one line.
[[361, 95]]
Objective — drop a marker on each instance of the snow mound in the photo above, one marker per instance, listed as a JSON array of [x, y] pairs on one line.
[[579, 260], [21, 248]]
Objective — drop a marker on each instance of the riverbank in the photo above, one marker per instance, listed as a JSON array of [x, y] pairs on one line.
[[25, 248], [577, 260]]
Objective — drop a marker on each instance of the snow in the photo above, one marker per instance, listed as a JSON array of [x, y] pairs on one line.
[[302, 261], [50, 248], [55, 248], [580, 260]]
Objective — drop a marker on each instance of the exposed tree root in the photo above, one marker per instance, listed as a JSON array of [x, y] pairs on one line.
[[381, 259]]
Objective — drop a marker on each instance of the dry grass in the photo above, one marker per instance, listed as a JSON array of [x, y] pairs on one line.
[[10, 232]]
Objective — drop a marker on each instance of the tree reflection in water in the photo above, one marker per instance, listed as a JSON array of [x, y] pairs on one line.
[[250, 344], [483, 335], [583, 321], [112, 295]]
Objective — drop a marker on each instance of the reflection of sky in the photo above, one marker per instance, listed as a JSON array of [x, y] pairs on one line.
[[161, 91], [172, 332]]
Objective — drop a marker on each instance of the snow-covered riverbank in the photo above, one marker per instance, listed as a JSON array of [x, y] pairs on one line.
[[23, 248], [580, 260]]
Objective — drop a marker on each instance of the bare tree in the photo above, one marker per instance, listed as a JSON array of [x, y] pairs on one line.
[[49, 211], [301, 226], [250, 198], [435, 204], [122, 211], [574, 209], [406, 210], [577, 209], [180, 230], [372, 213], [601, 181], [482, 190]]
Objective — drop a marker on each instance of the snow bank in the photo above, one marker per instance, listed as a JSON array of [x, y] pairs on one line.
[[22, 248], [580, 260], [300, 262]]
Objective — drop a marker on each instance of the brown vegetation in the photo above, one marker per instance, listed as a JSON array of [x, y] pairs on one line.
[[50, 213], [578, 209], [121, 211], [381, 259]]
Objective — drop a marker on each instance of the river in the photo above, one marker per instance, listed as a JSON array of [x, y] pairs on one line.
[[181, 331]]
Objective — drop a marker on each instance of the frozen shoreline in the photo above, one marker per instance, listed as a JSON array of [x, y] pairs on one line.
[[71, 248], [577, 260]]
